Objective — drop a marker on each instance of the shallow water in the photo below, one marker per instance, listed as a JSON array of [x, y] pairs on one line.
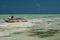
[[46, 27]]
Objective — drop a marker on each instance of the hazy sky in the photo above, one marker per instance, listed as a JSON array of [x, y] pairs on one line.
[[30, 6]]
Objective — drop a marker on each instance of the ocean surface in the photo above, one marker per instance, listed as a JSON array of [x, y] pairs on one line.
[[38, 27]]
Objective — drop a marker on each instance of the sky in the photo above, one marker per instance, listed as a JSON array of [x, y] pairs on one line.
[[30, 6]]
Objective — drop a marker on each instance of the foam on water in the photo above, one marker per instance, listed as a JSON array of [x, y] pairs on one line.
[[14, 27], [9, 28], [47, 22]]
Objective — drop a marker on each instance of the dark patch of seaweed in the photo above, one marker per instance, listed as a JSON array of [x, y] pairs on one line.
[[43, 34]]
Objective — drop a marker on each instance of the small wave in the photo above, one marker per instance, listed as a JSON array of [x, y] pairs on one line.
[[14, 27], [36, 20], [20, 24]]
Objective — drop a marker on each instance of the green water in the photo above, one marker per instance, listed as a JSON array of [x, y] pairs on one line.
[[25, 35]]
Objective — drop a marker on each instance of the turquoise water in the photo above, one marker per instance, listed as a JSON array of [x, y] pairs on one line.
[[47, 27]]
